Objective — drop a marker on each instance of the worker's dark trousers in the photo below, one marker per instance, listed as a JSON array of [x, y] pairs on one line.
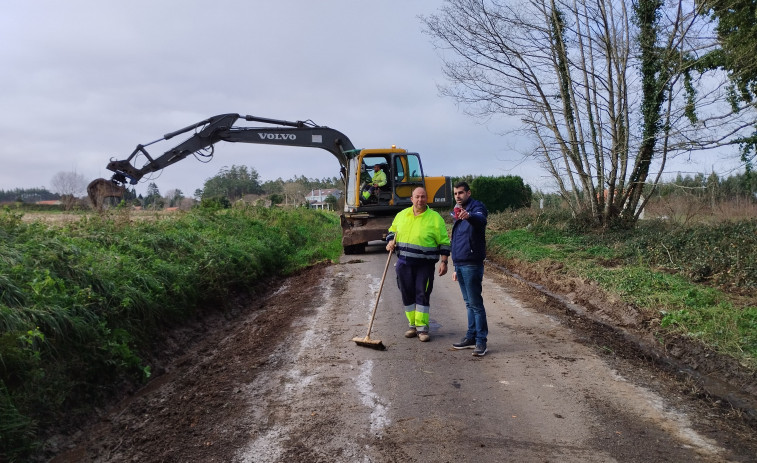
[[415, 283]]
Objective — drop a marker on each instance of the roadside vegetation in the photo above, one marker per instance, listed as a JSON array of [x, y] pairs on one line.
[[82, 301], [697, 280]]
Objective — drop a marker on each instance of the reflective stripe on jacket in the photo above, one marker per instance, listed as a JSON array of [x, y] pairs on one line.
[[420, 238]]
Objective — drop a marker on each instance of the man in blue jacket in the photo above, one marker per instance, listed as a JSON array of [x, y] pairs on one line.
[[468, 254]]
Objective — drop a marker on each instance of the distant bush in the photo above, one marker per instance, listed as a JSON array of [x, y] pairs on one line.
[[215, 203], [501, 193]]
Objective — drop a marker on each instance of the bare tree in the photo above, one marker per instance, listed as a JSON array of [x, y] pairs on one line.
[[173, 197], [606, 90], [69, 185], [294, 194]]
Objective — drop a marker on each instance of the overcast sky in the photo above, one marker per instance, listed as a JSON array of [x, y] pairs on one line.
[[86, 81]]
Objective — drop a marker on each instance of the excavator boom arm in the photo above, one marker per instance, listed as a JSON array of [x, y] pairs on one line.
[[221, 128]]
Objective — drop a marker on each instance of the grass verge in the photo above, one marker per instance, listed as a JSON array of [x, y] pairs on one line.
[[699, 281], [82, 302]]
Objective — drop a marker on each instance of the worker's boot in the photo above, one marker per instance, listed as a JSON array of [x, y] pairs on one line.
[[411, 333], [423, 336]]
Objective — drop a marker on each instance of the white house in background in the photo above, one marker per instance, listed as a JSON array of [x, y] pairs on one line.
[[317, 198]]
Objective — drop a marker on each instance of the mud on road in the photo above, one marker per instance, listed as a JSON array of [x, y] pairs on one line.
[[277, 378]]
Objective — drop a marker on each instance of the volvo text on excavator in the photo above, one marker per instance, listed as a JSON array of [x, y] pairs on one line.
[[366, 215]]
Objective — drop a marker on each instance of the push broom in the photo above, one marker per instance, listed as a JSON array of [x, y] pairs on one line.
[[367, 341]]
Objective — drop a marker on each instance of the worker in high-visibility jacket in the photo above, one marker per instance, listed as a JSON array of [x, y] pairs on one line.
[[420, 238], [379, 179], [377, 183]]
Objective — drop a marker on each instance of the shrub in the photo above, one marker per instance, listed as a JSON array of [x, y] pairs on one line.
[[721, 254], [501, 193]]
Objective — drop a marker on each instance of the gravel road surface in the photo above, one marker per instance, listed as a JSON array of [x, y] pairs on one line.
[[280, 379]]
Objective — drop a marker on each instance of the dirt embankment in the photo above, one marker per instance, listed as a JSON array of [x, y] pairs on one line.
[[717, 377]]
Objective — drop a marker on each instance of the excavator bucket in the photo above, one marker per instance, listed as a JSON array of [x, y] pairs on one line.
[[100, 188]]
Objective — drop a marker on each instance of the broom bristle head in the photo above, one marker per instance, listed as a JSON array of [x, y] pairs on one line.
[[368, 342]]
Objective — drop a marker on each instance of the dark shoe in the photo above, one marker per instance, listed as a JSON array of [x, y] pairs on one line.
[[480, 350], [465, 343], [423, 336], [411, 333]]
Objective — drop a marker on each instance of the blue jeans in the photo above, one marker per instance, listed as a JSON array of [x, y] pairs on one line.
[[470, 277]]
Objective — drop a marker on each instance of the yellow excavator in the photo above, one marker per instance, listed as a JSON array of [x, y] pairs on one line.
[[365, 216]]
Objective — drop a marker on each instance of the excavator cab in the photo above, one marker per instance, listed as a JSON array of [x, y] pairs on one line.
[[402, 172]]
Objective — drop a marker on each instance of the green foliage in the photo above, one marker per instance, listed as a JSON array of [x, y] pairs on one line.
[[215, 203], [33, 207], [639, 285], [653, 67], [81, 305], [685, 275], [501, 193], [743, 185], [153, 199], [232, 183], [736, 29], [174, 198], [722, 254], [722, 325], [331, 201], [9, 219], [696, 311], [276, 198], [17, 432], [152, 189], [547, 243]]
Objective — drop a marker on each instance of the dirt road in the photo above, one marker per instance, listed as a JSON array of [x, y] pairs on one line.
[[279, 380]]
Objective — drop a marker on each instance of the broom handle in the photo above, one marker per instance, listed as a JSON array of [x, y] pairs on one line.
[[378, 296]]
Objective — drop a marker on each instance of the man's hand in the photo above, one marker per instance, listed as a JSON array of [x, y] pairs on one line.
[[390, 246]]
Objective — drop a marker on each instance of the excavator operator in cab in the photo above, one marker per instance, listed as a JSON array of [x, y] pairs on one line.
[[379, 179], [377, 182]]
